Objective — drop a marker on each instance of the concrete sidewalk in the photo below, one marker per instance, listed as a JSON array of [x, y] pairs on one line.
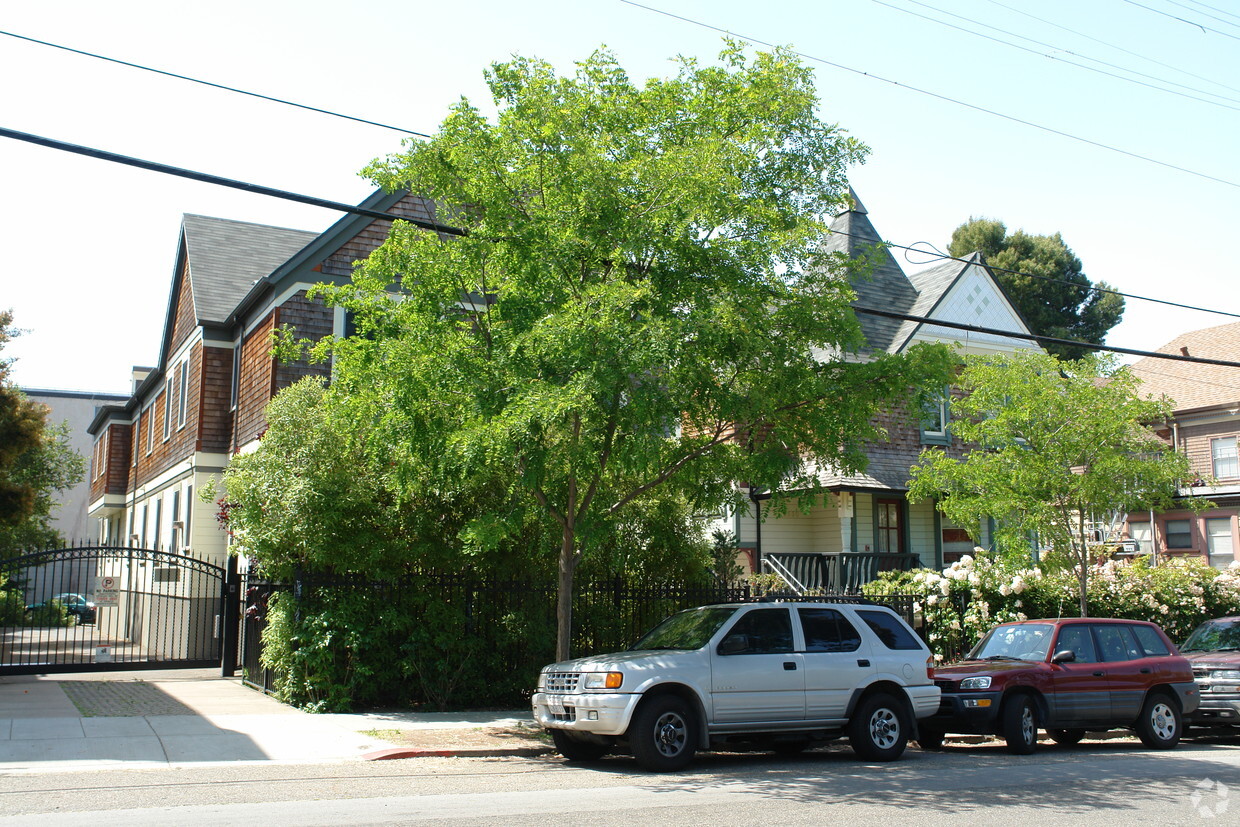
[[181, 718]]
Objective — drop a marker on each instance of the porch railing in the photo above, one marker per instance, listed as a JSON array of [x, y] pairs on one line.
[[839, 572]]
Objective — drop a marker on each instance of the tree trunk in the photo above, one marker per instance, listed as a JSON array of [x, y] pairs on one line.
[[1084, 580], [564, 597]]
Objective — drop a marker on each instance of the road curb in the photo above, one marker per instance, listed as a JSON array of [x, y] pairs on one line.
[[461, 752]]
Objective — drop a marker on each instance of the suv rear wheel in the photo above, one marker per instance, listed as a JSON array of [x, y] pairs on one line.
[[878, 730], [663, 734], [1160, 724]]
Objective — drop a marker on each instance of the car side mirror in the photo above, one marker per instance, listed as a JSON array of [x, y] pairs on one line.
[[1064, 656], [734, 644]]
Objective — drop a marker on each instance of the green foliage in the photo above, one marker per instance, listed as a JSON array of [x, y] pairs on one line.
[[36, 462], [963, 602], [1048, 287], [1057, 444], [638, 262], [51, 613], [724, 548], [12, 606]]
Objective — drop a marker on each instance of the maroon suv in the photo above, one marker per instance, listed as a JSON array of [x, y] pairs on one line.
[[1067, 676]]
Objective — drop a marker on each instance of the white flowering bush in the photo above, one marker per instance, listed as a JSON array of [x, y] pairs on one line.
[[959, 604]]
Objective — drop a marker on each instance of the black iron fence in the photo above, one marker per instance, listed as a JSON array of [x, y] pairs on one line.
[[453, 631]]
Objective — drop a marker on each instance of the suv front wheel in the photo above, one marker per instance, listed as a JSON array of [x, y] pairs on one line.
[[1020, 725], [663, 734], [878, 730]]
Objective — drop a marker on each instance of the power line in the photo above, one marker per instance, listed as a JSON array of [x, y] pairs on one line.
[[1009, 334], [1112, 45], [1215, 8], [215, 85], [207, 178], [1060, 59], [1211, 16], [1180, 19], [340, 206], [941, 97], [996, 269]]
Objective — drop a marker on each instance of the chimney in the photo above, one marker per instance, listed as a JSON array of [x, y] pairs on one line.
[[1183, 350]]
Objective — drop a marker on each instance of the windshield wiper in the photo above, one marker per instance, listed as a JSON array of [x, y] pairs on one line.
[[1000, 657]]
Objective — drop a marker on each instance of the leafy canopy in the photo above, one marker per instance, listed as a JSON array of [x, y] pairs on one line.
[[640, 303], [1057, 445], [1046, 284]]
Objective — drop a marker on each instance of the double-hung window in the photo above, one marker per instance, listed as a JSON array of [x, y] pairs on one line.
[[1223, 455], [935, 415]]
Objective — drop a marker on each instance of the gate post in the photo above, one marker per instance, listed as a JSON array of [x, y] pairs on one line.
[[231, 619]]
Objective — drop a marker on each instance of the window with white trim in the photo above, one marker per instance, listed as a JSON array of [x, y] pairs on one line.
[[935, 414], [1223, 455], [182, 391], [167, 410], [150, 428]]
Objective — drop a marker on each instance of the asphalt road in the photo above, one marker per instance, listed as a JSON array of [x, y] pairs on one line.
[[1112, 782]]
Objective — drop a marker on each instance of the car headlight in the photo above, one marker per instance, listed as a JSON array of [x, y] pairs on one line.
[[603, 680], [975, 683], [1229, 675]]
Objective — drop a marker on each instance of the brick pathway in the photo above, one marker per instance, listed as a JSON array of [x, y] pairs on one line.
[[121, 699]]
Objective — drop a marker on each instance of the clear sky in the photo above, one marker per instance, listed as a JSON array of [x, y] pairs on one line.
[[88, 247]]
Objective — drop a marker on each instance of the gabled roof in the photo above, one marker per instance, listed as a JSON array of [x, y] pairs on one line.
[[225, 258], [886, 286], [957, 291], [1194, 385]]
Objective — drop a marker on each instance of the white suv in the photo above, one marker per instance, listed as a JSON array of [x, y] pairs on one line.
[[781, 676]]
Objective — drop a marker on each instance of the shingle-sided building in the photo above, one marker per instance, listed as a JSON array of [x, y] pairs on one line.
[[863, 521], [233, 284], [1205, 427]]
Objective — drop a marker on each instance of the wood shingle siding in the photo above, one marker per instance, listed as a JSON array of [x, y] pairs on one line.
[[256, 385], [312, 320], [213, 407]]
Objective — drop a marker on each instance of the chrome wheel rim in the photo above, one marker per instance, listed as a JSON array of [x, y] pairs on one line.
[[671, 733], [884, 728], [1028, 729], [1162, 721]]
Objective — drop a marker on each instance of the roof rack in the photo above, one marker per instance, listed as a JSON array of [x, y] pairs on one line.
[[855, 599]]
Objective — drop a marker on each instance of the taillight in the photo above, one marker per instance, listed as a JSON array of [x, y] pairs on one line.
[[930, 668]]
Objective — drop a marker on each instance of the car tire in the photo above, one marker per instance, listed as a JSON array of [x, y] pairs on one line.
[[1161, 724], [878, 729], [930, 738], [1020, 725], [1066, 737], [574, 749], [663, 734]]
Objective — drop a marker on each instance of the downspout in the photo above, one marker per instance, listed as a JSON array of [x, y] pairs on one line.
[[757, 510]]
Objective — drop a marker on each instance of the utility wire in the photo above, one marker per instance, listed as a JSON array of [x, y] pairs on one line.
[[215, 85], [1180, 19], [1198, 11], [1112, 45], [889, 314], [1214, 8], [937, 96], [1035, 52], [207, 178], [439, 228]]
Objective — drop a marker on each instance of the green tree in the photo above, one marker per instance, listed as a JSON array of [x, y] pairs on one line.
[[1056, 445], [36, 462], [1044, 279], [639, 307]]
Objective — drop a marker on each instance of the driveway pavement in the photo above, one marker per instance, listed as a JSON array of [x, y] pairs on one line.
[[181, 718]]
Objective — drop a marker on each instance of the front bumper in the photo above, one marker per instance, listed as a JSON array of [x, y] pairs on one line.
[[969, 712], [601, 713], [1220, 706]]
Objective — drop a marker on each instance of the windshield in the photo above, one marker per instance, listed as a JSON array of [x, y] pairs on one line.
[[1028, 641], [690, 629], [1214, 636]]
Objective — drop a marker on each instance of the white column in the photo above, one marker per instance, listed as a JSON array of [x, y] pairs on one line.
[[844, 508]]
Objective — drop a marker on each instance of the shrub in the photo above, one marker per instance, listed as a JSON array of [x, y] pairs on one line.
[[959, 604]]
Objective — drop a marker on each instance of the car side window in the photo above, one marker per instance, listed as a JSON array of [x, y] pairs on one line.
[[1151, 643], [888, 628], [759, 632], [1080, 641], [826, 630], [1116, 643]]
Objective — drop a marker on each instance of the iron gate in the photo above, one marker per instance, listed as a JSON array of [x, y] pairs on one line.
[[104, 608]]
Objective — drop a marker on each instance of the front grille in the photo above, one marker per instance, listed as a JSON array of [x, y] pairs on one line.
[[561, 681], [945, 685], [567, 716], [1200, 672]]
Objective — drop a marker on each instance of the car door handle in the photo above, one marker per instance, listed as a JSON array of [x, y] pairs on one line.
[[863, 662], [1099, 674], [790, 666], [1145, 671]]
